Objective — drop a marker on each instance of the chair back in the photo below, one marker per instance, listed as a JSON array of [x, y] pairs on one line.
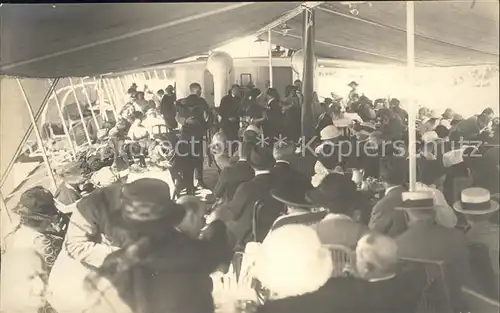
[[477, 302], [159, 129], [259, 204], [343, 259], [482, 269], [436, 295]]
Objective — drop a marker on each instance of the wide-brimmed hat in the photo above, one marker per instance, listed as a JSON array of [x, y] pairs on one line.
[[146, 203], [261, 157], [334, 189], [292, 197], [353, 83], [448, 113], [417, 200], [36, 201], [476, 201], [330, 132]]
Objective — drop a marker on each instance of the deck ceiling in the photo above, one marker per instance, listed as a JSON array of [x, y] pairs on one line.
[[448, 33], [39, 40]]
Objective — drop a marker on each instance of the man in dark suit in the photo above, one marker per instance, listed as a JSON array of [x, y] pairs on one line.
[[167, 106], [229, 111], [283, 173], [234, 175], [385, 219], [241, 207], [425, 239]]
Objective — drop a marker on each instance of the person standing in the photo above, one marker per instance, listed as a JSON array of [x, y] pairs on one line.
[[229, 111], [167, 106]]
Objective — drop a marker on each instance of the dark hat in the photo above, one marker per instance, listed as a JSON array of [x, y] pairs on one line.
[[261, 158], [146, 203], [292, 197], [353, 83], [36, 201], [334, 190]]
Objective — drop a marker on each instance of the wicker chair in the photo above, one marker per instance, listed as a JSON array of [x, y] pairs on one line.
[[343, 259], [436, 295]]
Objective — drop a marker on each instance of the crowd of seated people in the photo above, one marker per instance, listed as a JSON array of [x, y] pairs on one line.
[[336, 226]]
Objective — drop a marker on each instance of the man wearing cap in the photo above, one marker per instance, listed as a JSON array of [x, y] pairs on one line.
[[241, 207], [337, 194], [354, 91], [285, 171], [427, 240], [96, 230], [478, 207]]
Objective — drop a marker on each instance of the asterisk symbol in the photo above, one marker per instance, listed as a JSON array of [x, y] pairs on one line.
[[280, 141], [263, 141]]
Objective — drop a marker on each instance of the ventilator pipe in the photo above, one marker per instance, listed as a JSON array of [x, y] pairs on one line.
[[220, 65], [297, 61]]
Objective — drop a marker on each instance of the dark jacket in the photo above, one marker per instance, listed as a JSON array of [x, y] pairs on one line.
[[385, 219], [291, 126], [231, 178], [230, 108], [167, 106], [242, 207], [351, 295]]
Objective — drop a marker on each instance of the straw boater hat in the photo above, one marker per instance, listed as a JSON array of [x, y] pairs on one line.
[[353, 84], [417, 200], [475, 201]]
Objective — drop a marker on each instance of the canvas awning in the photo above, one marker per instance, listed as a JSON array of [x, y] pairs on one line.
[[42, 40]]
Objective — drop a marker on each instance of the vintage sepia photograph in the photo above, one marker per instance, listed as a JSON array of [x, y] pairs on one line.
[[250, 157]]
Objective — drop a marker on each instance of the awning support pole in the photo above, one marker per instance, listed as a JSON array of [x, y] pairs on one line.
[[38, 136], [63, 121], [102, 110], [108, 95], [4, 204], [410, 67], [85, 92], [28, 133], [116, 95], [156, 74], [270, 56], [82, 119], [122, 86], [308, 74], [165, 73]]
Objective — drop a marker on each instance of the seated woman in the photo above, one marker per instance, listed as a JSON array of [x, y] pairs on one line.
[[220, 149], [42, 226], [23, 282]]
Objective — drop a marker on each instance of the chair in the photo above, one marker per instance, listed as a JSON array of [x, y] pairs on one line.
[[343, 259], [482, 270], [477, 302], [159, 129], [436, 295]]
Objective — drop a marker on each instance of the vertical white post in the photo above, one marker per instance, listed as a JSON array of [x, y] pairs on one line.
[[102, 109], [156, 74], [38, 136], [165, 73], [410, 55], [122, 86], [63, 121], [270, 55], [85, 92], [110, 99], [118, 95], [80, 112]]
